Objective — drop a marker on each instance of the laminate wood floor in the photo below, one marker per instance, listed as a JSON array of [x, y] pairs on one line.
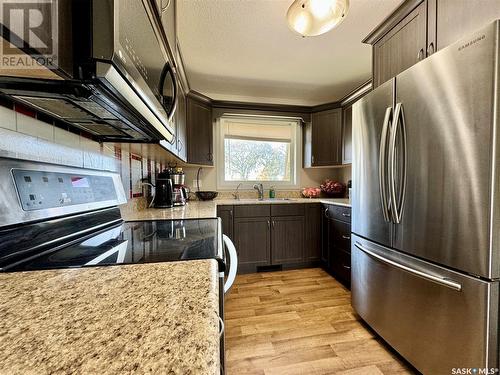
[[300, 322]]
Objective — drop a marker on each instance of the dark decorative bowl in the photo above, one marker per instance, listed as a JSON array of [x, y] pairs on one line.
[[206, 195]]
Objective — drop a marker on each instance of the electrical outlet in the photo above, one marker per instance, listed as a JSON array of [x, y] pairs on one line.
[[194, 184]]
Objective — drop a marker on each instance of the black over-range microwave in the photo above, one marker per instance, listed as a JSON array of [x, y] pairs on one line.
[[99, 65]]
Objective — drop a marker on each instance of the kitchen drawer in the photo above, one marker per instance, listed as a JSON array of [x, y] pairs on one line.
[[287, 209], [341, 265], [341, 235], [341, 213], [252, 210]]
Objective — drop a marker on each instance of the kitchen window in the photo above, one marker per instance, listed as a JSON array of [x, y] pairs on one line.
[[258, 150]]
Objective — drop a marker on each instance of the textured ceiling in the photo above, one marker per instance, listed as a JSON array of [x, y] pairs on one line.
[[243, 50]]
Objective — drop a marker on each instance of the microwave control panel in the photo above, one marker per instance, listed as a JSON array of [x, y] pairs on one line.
[[43, 189]]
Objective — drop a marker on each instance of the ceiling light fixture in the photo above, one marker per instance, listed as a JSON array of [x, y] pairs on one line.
[[316, 17]]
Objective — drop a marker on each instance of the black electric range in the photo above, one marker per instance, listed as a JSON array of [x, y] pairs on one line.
[[123, 243], [54, 216]]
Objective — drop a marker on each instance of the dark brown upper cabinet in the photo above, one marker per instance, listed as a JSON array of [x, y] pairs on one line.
[[418, 28], [347, 135], [401, 47], [323, 139], [199, 132]]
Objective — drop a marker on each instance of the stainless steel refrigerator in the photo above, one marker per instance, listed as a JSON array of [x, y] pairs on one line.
[[426, 208]]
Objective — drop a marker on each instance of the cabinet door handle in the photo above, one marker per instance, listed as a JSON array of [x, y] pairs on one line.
[[346, 237], [420, 54], [273, 224], [345, 214], [230, 213], [312, 159], [326, 212], [430, 49], [346, 267], [268, 225]]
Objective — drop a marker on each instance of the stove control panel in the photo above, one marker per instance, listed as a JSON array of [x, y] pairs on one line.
[[42, 190]]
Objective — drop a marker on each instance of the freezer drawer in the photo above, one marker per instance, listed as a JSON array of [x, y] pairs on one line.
[[436, 318]]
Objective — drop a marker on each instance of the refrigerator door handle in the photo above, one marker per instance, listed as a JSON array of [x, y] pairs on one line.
[[397, 202], [382, 165], [435, 279]]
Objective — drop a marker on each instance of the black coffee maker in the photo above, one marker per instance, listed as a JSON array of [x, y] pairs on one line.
[[163, 190]]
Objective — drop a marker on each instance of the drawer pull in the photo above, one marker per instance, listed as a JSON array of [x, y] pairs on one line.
[[346, 267], [345, 214], [424, 275], [346, 237]]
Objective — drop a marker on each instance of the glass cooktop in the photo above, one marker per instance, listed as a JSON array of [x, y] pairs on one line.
[[134, 242]]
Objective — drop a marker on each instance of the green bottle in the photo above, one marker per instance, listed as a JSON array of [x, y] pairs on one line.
[[272, 192]]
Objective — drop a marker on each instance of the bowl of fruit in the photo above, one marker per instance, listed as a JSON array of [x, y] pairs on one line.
[[311, 192], [333, 189]]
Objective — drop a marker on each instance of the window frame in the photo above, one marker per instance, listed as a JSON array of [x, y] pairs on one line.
[[295, 153]]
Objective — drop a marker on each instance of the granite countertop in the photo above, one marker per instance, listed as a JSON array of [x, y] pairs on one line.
[[144, 318], [208, 209]]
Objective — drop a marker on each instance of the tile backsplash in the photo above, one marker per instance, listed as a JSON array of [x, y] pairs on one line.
[[23, 136]]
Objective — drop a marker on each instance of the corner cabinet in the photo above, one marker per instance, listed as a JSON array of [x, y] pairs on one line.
[[323, 139], [312, 250], [418, 28], [199, 132]]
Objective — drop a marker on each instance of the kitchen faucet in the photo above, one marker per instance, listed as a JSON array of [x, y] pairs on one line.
[[236, 194], [260, 189]]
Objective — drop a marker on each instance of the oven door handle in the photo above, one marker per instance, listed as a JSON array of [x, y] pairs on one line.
[[233, 262]]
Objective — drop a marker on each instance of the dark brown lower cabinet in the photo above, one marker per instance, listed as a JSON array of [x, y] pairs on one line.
[[324, 235], [269, 237], [336, 242], [312, 246], [226, 215], [252, 238], [341, 265], [287, 239]]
